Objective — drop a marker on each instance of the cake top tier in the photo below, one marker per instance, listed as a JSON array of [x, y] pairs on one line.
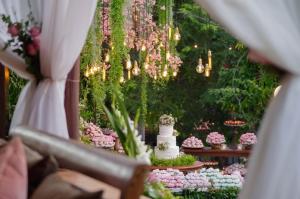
[[166, 120]]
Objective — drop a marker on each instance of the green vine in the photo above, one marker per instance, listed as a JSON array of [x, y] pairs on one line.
[[118, 51]]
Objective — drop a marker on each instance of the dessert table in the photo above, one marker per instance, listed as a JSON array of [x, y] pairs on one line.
[[207, 151]]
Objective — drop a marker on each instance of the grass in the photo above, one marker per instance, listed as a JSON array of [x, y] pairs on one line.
[[182, 160]]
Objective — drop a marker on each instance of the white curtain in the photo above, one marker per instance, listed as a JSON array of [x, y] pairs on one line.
[[272, 28], [65, 25]]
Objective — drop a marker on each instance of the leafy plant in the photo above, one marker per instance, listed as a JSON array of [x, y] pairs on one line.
[[157, 190], [126, 129], [213, 194], [182, 160]]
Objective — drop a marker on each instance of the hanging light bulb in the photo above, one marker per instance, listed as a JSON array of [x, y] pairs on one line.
[[122, 80], [209, 59], [128, 63], [143, 48], [155, 77], [177, 35], [87, 74], [165, 71], [174, 73], [136, 69], [146, 65], [103, 72], [106, 58], [200, 67], [170, 32], [168, 54], [207, 71]]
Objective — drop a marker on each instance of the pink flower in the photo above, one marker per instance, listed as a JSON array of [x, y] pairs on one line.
[[215, 138], [35, 31], [36, 43], [31, 50], [14, 29], [248, 139]]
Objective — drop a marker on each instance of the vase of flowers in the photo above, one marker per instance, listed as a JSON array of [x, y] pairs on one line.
[[216, 140], [248, 140], [25, 41]]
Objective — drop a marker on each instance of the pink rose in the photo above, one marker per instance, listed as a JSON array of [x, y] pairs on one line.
[[31, 50], [36, 43], [35, 31], [14, 29]]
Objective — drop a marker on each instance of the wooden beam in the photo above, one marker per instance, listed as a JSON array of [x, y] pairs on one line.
[[72, 100], [4, 79]]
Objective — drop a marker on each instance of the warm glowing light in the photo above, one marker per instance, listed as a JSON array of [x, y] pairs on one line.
[[230, 48], [209, 59], [174, 73], [136, 69], [106, 58], [122, 80], [103, 73], [200, 67], [146, 65], [143, 48], [207, 71], [165, 71], [129, 74], [155, 77], [128, 64], [177, 35], [168, 54], [195, 46]]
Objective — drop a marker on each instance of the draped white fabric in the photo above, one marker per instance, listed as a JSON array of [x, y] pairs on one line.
[[65, 25], [272, 29]]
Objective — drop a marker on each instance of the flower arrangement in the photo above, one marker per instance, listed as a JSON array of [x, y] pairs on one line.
[[192, 142], [196, 181], [236, 167], [215, 138], [163, 146], [25, 41], [248, 139], [166, 120]]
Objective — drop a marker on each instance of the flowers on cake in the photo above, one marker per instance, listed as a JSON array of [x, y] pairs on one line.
[[166, 120], [248, 139], [235, 167], [192, 142], [215, 138], [162, 146]]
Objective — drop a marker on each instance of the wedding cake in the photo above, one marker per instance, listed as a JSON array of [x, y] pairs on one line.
[[166, 140]]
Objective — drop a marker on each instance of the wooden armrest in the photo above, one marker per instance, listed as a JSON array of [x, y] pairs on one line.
[[111, 168]]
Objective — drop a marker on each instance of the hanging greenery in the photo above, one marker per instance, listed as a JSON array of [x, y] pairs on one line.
[[118, 50]]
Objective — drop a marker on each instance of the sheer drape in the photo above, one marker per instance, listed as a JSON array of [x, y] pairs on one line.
[[65, 25], [271, 28]]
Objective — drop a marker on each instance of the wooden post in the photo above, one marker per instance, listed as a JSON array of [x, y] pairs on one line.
[[4, 78], [72, 100]]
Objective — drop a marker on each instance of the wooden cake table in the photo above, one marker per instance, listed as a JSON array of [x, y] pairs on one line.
[[207, 151], [197, 165]]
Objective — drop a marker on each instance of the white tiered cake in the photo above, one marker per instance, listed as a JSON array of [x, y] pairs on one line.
[[166, 142]]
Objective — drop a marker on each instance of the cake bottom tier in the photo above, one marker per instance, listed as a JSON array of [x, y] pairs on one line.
[[171, 152]]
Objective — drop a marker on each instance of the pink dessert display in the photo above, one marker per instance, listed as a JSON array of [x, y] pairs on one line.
[[196, 181], [248, 139], [235, 167], [171, 178], [192, 142], [104, 141], [215, 138]]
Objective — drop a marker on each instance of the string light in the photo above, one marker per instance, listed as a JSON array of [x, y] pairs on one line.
[[195, 46], [209, 60], [136, 69], [165, 71], [143, 48], [174, 73], [128, 63], [122, 80], [200, 67], [207, 71], [106, 58], [177, 35], [168, 54]]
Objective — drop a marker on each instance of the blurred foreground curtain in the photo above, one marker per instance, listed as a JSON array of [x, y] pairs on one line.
[[65, 24], [271, 28]]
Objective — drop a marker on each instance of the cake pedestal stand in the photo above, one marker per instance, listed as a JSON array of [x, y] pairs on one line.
[[235, 130], [196, 166]]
